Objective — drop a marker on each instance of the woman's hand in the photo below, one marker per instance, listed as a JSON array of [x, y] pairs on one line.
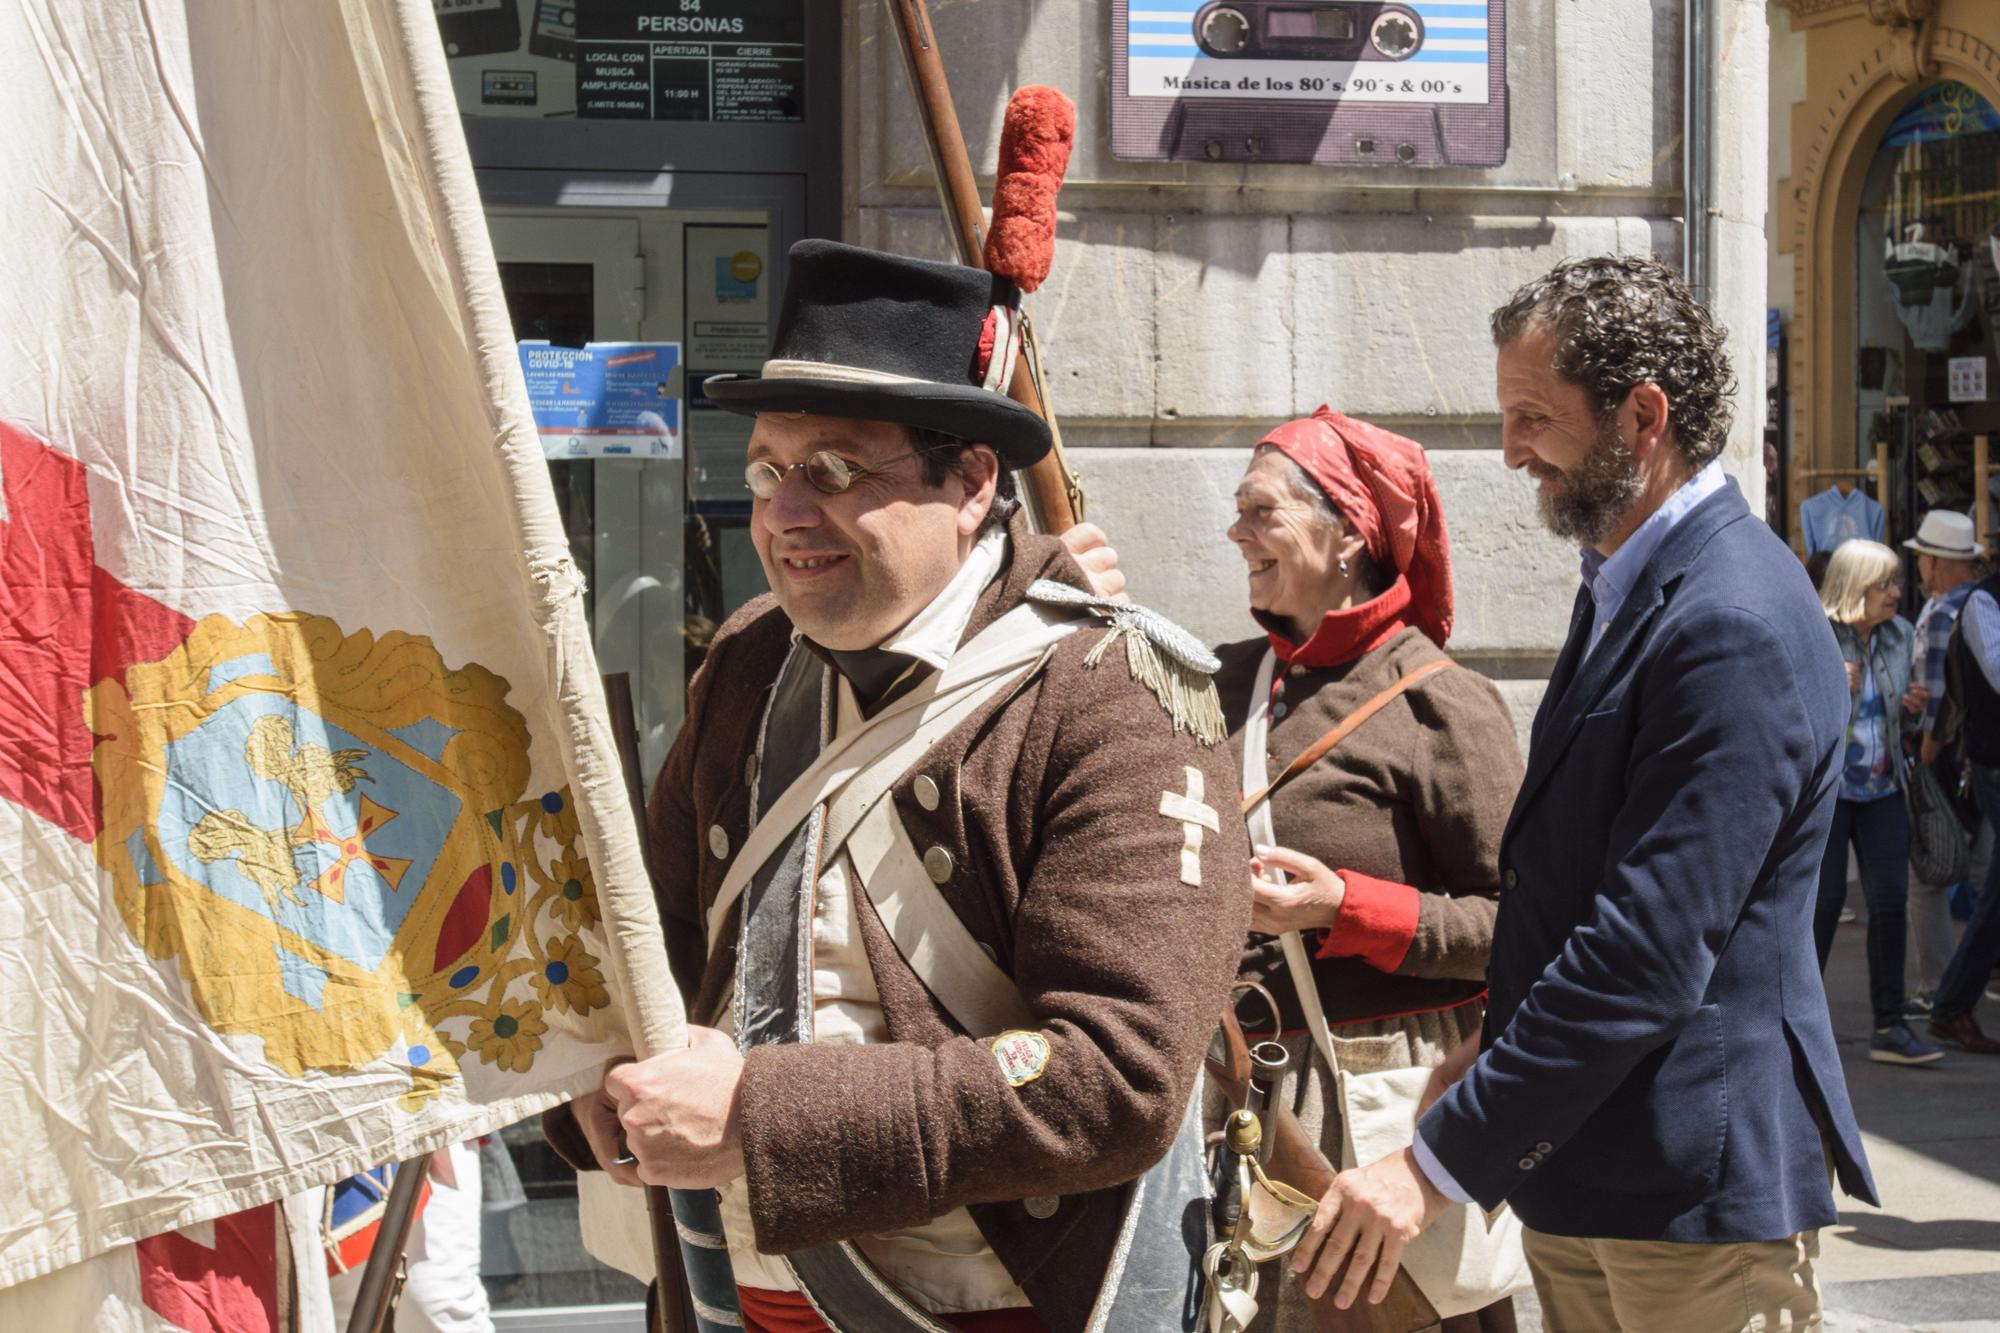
[[1310, 901], [1916, 698], [1446, 1075], [1854, 678]]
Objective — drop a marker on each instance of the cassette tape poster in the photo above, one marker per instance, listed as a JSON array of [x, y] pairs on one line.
[[1330, 82]]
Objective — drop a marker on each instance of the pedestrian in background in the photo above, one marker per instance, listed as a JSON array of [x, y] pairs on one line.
[[1944, 548], [1862, 590], [1972, 673], [1658, 1095]]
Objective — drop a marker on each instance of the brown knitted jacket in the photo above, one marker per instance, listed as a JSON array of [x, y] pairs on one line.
[[1415, 799], [1067, 871]]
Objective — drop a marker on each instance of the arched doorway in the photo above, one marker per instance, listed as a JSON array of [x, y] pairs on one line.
[[1862, 79], [1926, 303]]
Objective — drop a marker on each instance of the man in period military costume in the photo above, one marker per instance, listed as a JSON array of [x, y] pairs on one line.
[[948, 857]]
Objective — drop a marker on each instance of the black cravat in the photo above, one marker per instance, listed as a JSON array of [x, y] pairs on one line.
[[878, 676]]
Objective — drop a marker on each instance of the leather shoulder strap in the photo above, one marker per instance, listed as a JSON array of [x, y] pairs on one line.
[[928, 933], [1317, 751]]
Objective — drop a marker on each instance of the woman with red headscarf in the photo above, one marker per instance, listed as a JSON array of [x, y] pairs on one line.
[[1382, 851]]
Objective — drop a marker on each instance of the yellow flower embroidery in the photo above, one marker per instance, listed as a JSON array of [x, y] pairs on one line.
[[571, 980], [510, 1037], [556, 819], [575, 903]]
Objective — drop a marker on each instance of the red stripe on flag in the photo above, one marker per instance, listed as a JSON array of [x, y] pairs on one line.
[[65, 624], [232, 1288]]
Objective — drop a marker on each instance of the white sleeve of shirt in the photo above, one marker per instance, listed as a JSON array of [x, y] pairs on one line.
[[1433, 1170], [1981, 622]]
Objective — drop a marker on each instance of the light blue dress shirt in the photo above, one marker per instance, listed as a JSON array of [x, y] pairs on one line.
[[1610, 579]]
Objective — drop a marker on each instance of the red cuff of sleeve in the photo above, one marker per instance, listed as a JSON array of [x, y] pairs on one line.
[[1377, 923]]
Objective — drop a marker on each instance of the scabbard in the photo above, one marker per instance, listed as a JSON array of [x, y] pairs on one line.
[[1297, 1161]]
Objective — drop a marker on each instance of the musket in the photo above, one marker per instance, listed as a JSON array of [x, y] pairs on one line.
[[1055, 501], [1050, 488]]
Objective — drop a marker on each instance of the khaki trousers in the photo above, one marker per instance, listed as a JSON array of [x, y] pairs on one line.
[[1634, 1286]]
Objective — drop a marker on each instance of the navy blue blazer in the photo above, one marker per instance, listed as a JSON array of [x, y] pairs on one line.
[[1658, 1061]]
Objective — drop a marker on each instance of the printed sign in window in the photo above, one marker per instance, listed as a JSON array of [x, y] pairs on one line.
[[605, 400], [728, 291], [713, 60]]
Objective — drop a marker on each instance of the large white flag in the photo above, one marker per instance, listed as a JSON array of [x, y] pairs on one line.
[[309, 815]]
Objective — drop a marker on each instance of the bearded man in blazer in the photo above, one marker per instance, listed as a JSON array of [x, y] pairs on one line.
[[1656, 1092]]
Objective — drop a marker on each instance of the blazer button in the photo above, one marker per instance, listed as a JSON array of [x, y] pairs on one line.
[[927, 792], [1526, 1164], [1544, 1149], [1041, 1207], [937, 864], [1511, 880], [718, 842], [1279, 710]]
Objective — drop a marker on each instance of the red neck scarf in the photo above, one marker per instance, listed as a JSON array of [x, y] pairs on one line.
[[1344, 636]]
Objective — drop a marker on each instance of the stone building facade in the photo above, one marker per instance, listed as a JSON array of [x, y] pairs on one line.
[[1192, 305]]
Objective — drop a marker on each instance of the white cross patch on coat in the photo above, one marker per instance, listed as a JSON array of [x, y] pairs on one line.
[[1194, 816]]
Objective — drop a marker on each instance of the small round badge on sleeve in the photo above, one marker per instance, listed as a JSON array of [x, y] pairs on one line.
[[1022, 1055]]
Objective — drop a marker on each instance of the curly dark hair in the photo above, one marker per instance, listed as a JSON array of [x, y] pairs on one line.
[[1624, 320], [944, 456]]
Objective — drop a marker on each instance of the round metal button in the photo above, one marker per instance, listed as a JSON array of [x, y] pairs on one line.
[[1526, 1164], [718, 842], [1545, 1148], [1041, 1207], [937, 864], [1298, 671], [1510, 879], [926, 790], [1279, 710]]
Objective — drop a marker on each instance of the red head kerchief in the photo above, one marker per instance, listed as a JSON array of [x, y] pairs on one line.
[[1382, 484]]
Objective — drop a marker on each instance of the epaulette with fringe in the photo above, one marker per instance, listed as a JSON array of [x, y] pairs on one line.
[[1162, 656]]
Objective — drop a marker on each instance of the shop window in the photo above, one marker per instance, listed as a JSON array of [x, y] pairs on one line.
[[1928, 305]]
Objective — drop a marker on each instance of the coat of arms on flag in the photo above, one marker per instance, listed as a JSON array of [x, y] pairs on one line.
[[314, 852]]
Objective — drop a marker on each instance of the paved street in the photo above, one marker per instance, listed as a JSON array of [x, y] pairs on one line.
[[1929, 1258]]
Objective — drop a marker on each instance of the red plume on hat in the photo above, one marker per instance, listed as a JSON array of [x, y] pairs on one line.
[[1035, 151], [1382, 485], [1035, 141]]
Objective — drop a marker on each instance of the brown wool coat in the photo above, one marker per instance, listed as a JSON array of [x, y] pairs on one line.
[[1067, 872], [1418, 795]]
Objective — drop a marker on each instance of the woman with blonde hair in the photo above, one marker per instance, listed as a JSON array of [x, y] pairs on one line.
[[1862, 589]]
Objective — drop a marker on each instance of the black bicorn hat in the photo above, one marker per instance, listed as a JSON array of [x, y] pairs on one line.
[[885, 338]]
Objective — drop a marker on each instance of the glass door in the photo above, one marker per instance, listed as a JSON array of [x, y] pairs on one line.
[[661, 535]]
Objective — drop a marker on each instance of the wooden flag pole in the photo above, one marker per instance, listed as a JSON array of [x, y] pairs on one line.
[[381, 1279], [674, 1303]]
